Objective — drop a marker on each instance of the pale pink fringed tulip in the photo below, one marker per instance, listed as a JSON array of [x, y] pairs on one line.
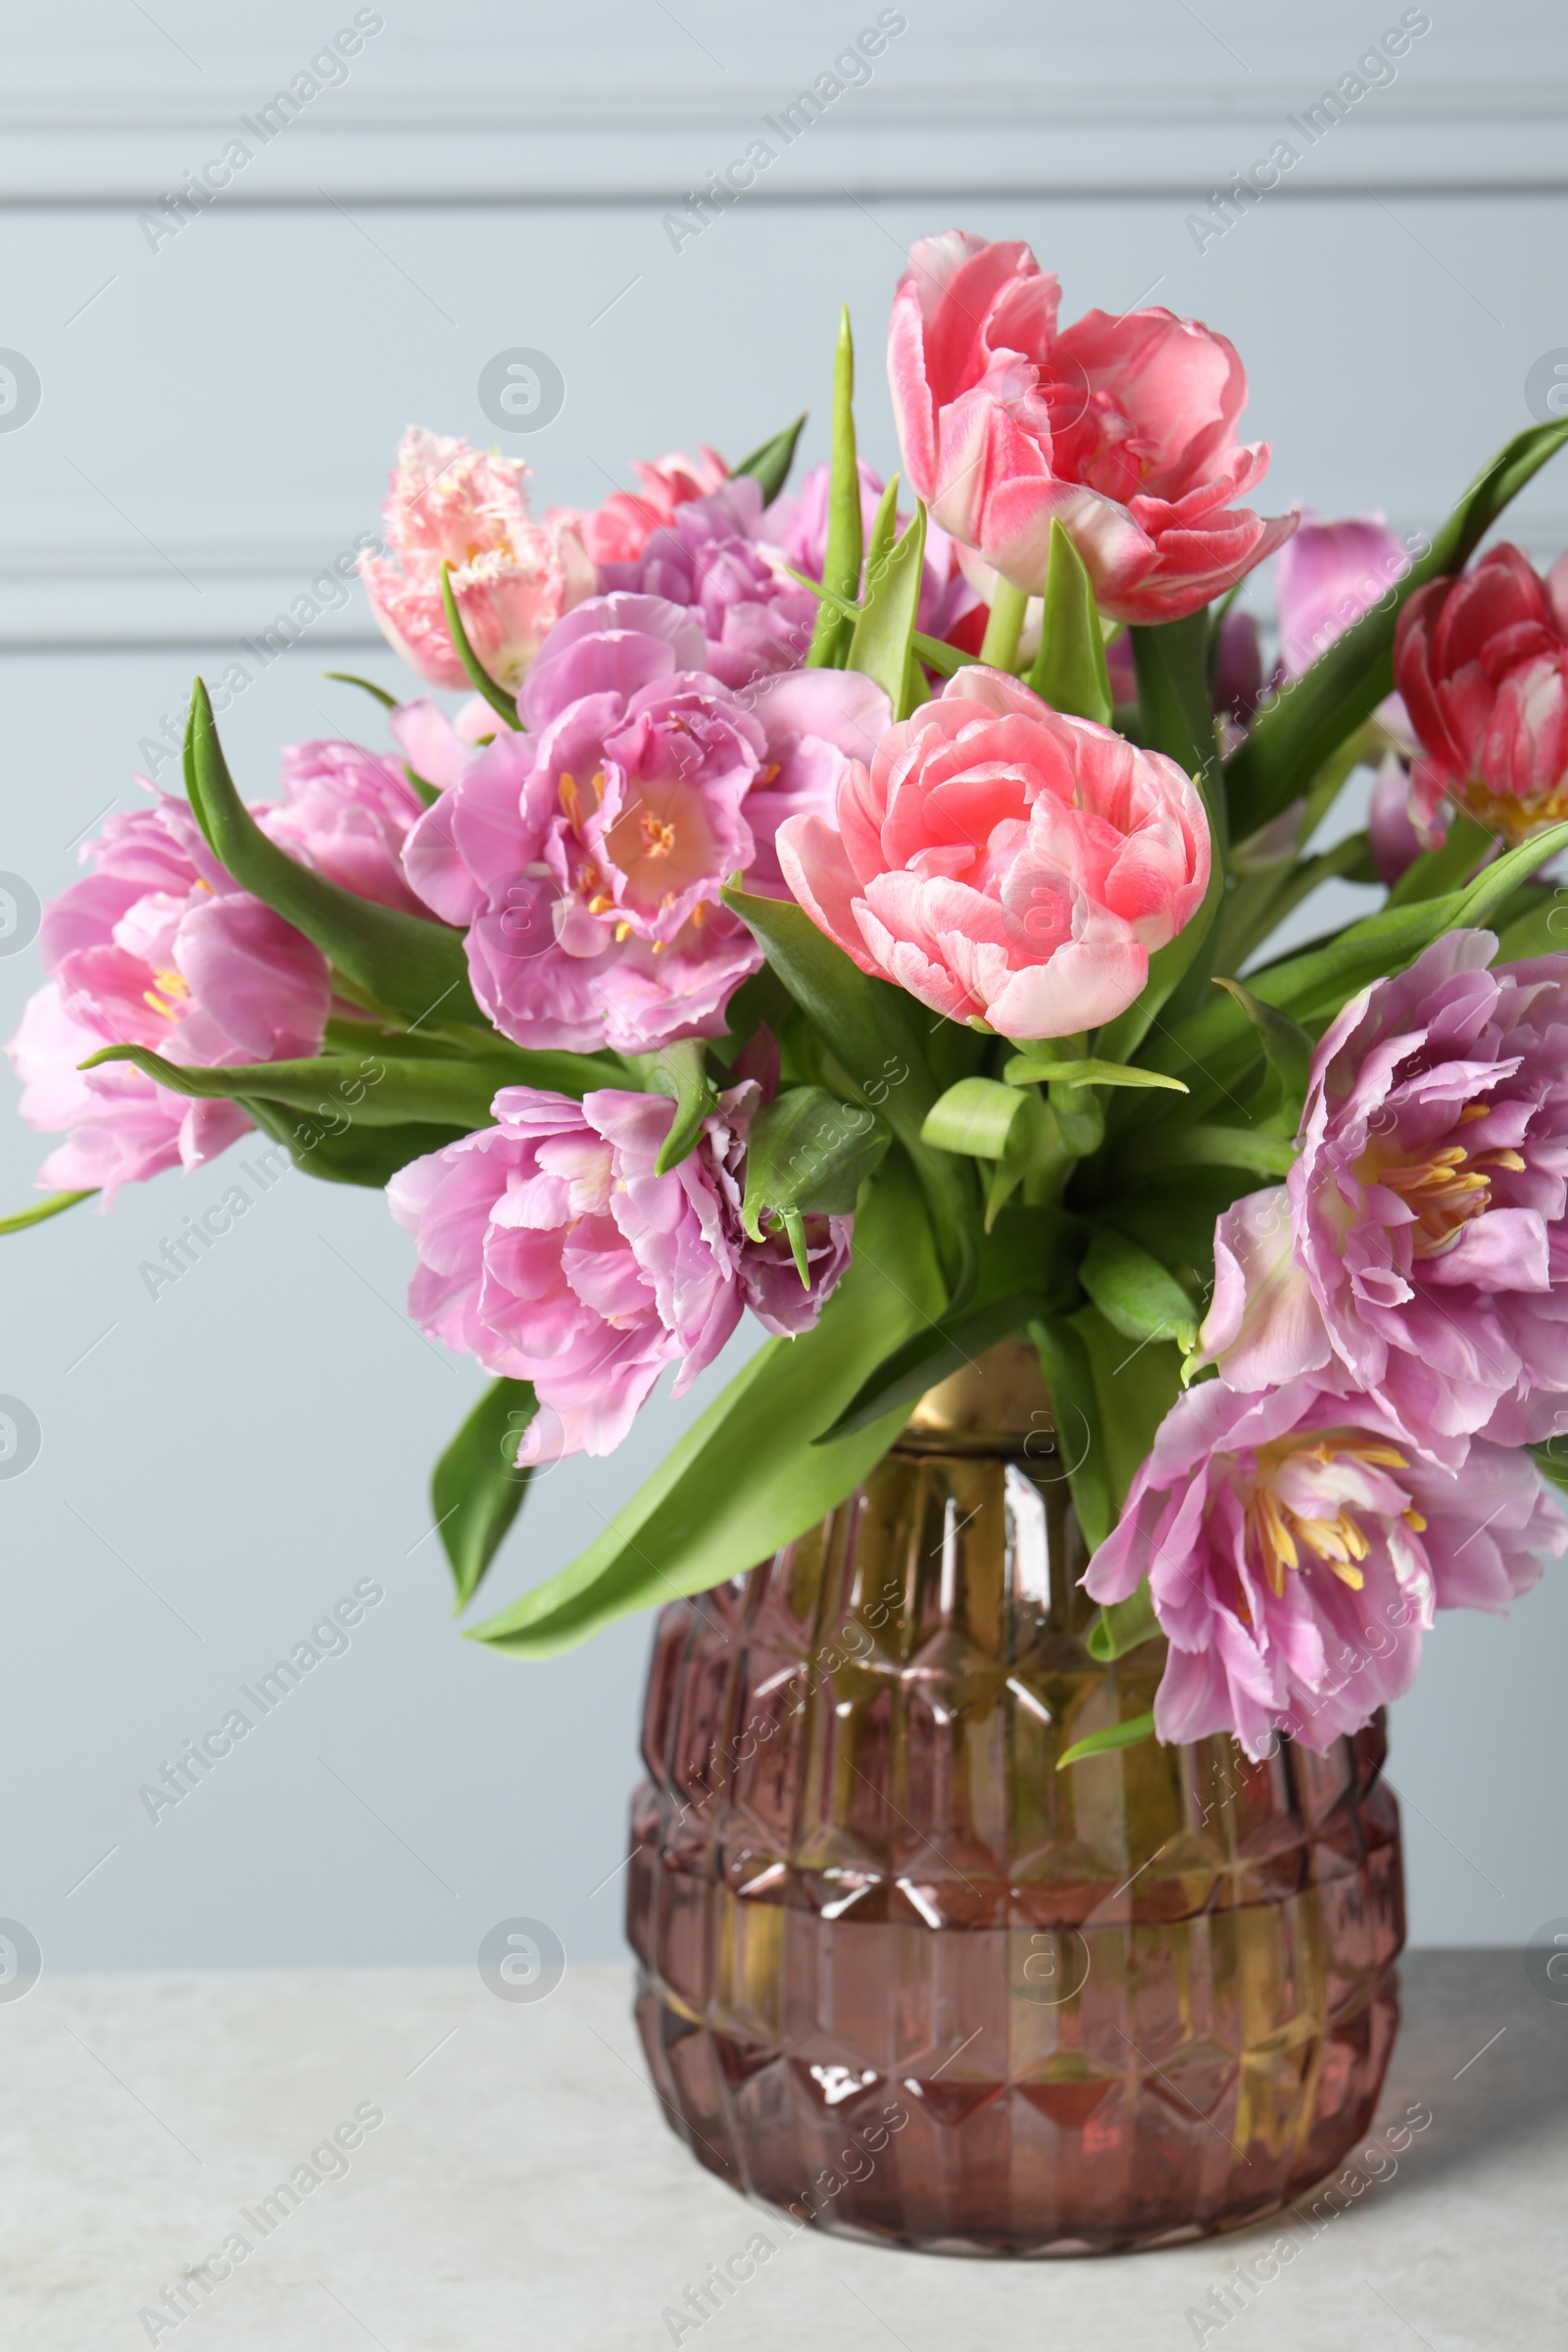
[[512, 577], [1005, 864], [1121, 430]]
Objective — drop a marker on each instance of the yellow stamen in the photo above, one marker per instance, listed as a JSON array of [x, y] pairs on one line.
[[622, 931], [659, 836], [1414, 1521]]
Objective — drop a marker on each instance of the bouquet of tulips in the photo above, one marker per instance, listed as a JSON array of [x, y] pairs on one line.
[[854, 907]]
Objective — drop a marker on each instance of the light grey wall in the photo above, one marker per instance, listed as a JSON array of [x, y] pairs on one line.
[[217, 418]]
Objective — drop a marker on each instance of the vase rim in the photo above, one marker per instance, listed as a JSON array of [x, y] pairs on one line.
[[999, 1403]]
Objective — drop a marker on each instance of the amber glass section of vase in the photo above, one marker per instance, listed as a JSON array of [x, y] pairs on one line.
[[900, 1976]]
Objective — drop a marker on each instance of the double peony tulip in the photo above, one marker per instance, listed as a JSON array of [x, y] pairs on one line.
[[156, 947], [1011, 867], [585, 859], [1297, 1547], [1121, 430], [1420, 1245], [551, 1250]]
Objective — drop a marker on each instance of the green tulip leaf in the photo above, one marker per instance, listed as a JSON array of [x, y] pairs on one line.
[[1069, 670], [769, 465], [505, 705], [476, 1487], [413, 967]]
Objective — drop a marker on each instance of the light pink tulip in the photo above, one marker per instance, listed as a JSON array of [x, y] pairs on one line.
[[1326, 576], [1005, 864], [157, 946], [512, 577], [346, 813], [1121, 428]]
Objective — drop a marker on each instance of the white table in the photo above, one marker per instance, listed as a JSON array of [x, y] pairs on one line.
[[522, 2190]]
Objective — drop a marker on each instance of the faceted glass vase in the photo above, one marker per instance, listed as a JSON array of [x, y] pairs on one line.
[[899, 1975]]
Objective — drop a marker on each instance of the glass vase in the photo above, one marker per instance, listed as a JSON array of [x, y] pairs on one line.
[[902, 1977]]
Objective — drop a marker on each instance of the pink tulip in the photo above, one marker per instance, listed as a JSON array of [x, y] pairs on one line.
[[157, 947], [1297, 1548], [618, 531], [1010, 867], [710, 556], [585, 859], [1482, 663], [1326, 576], [512, 577], [1123, 429], [346, 813], [1420, 1247], [551, 1250]]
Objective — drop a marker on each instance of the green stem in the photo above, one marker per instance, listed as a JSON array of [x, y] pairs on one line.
[[1008, 605]]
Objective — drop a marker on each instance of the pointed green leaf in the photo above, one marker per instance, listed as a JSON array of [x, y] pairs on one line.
[[807, 1154], [478, 677], [1134, 1292], [382, 1090], [769, 465], [1129, 1733], [1069, 670], [411, 967], [1295, 734], [841, 563], [1075, 1407], [748, 1477], [347, 677], [879, 545], [880, 642], [1029, 1070], [1124, 1625], [681, 1071], [50, 1207], [476, 1486]]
